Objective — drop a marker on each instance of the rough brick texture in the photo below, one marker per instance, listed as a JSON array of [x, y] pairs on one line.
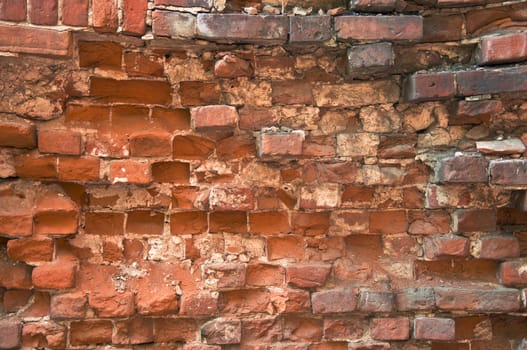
[[263, 174]]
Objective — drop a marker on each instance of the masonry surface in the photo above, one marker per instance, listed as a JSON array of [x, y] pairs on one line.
[[199, 174]]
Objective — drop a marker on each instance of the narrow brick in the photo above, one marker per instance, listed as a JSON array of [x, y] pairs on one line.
[[491, 81], [390, 28], [174, 24], [375, 301], [140, 91], [434, 328], [356, 94], [372, 5], [478, 300], [474, 112], [307, 276], [243, 28], [186, 3], [35, 40], [430, 86], [413, 299], [440, 28], [509, 172], [309, 29]]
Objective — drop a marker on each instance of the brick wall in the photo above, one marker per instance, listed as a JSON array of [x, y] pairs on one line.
[[207, 174]]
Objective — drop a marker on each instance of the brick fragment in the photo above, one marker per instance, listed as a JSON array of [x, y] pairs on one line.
[[474, 112], [478, 300], [334, 301], [428, 222], [395, 328], [375, 301], [280, 143], [373, 5], [13, 11], [90, 332], [434, 328], [491, 81], [44, 334], [134, 16], [218, 116], [105, 16], [292, 92], [231, 198], [30, 250], [319, 197], [15, 276], [75, 12], [379, 27], [17, 132], [508, 47], [496, 247], [302, 329], [222, 331], [69, 305], [231, 66], [14, 300], [226, 275], [54, 275], [309, 29], [356, 94], [446, 246], [463, 169], [370, 56], [430, 86], [60, 141], [137, 64], [310, 224], [471, 220], [307, 276], [244, 301], [243, 28], [35, 40], [508, 172], [10, 333], [513, 273]]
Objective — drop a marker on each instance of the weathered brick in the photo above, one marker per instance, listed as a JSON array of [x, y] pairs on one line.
[[90, 332], [430, 86], [150, 144], [104, 223], [434, 328], [356, 94], [474, 112], [30, 250], [370, 56], [232, 66], [343, 329], [136, 330], [412, 299], [69, 305], [54, 275], [35, 40], [56, 214], [10, 333], [471, 220], [222, 331], [112, 304], [44, 334], [14, 300], [428, 222], [508, 172], [13, 11], [16, 224], [244, 301], [513, 272], [310, 224], [265, 275], [137, 64], [302, 329], [319, 197], [192, 147], [100, 54], [491, 81], [172, 172], [44, 12], [478, 300], [459, 3], [375, 301], [280, 143], [395, 328], [307, 276], [292, 92], [130, 171], [291, 247], [496, 247], [463, 169], [188, 222], [443, 28], [379, 27], [134, 17], [161, 300], [309, 29], [369, 345], [357, 144], [171, 119], [32, 166], [105, 15], [59, 141], [231, 198], [334, 301], [446, 246], [228, 221], [388, 221], [75, 12], [199, 304], [79, 169], [501, 147], [269, 222], [145, 222], [186, 3], [140, 91], [236, 147], [199, 93], [218, 116], [508, 47], [17, 132], [243, 28]]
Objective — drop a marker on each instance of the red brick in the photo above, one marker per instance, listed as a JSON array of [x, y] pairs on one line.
[[334, 301], [474, 112], [307, 276], [375, 301], [434, 328], [227, 275], [497, 247], [236, 147], [15, 276], [446, 247], [16, 224], [428, 222], [412, 299], [44, 12], [134, 17], [105, 15], [310, 224], [263, 330], [281, 144], [379, 27], [133, 91], [198, 304], [75, 12], [430, 86], [243, 28], [103, 223], [35, 40], [69, 305], [130, 171], [44, 334], [471, 220], [56, 215], [302, 329], [150, 144], [141, 65], [30, 250], [112, 304], [79, 169], [265, 275], [10, 333], [513, 272], [90, 332], [222, 331], [54, 275], [508, 172], [171, 119], [13, 11], [343, 329], [174, 24], [241, 302], [478, 300], [395, 328], [60, 141], [135, 330], [100, 54], [175, 329], [370, 56], [159, 300], [198, 93], [269, 222], [172, 172], [386, 222], [145, 222], [309, 29], [443, 28], [189, 222], [509, 47], [290, 247], [491, 81], [14, 300], [228, 221], [17, 132], [217, 116], [231, 66], [463, 169], [192, 147]]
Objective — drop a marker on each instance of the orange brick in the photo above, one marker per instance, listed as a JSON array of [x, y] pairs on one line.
[[30, 250], [79, 169], [389, 221], [291, 247], [145, 222], [100, 54], [55, 275], [269, 223], [172, 172], [190, 222], [60, 141], [150, 144], [130, 171], [104, 223], [228, 221], [134, 91], [140, 65]]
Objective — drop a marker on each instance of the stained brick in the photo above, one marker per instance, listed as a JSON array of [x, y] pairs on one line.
[[509, 47], [309, 29], [231, 198], [334, 301], [10, 333], [379, 27], [375, 301], [191, 222], [269, 222], [134, 16], [44, 334], [14, 11], [90, 332], [470, 220], [192, 147], [44, 12], [60, 141], [370, 56], [508, 172], [174, 24], [386, 222], [100, 54], [130, 171], [496, 247], [395, 328], [281, 143], [430, 86], [222, 331], [443, 28], [17, 132], [463, 169], [30, 250], [491, 81], [412, 299], [104, 223], [54, 275], [185, 3], [290, 247], [69, 305], [75, 12], [218, 116], [474, 112], [478, 300], [104, 15], [373, 5], [434, 328], [448, 246], [150, 144], [199, 304], [513, 273], [307, 276]]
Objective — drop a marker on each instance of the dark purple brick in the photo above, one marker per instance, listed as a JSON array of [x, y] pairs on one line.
[[430, 86], [491, 81], [310, 29], [379, 27], [463, 169], [508, 172]]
